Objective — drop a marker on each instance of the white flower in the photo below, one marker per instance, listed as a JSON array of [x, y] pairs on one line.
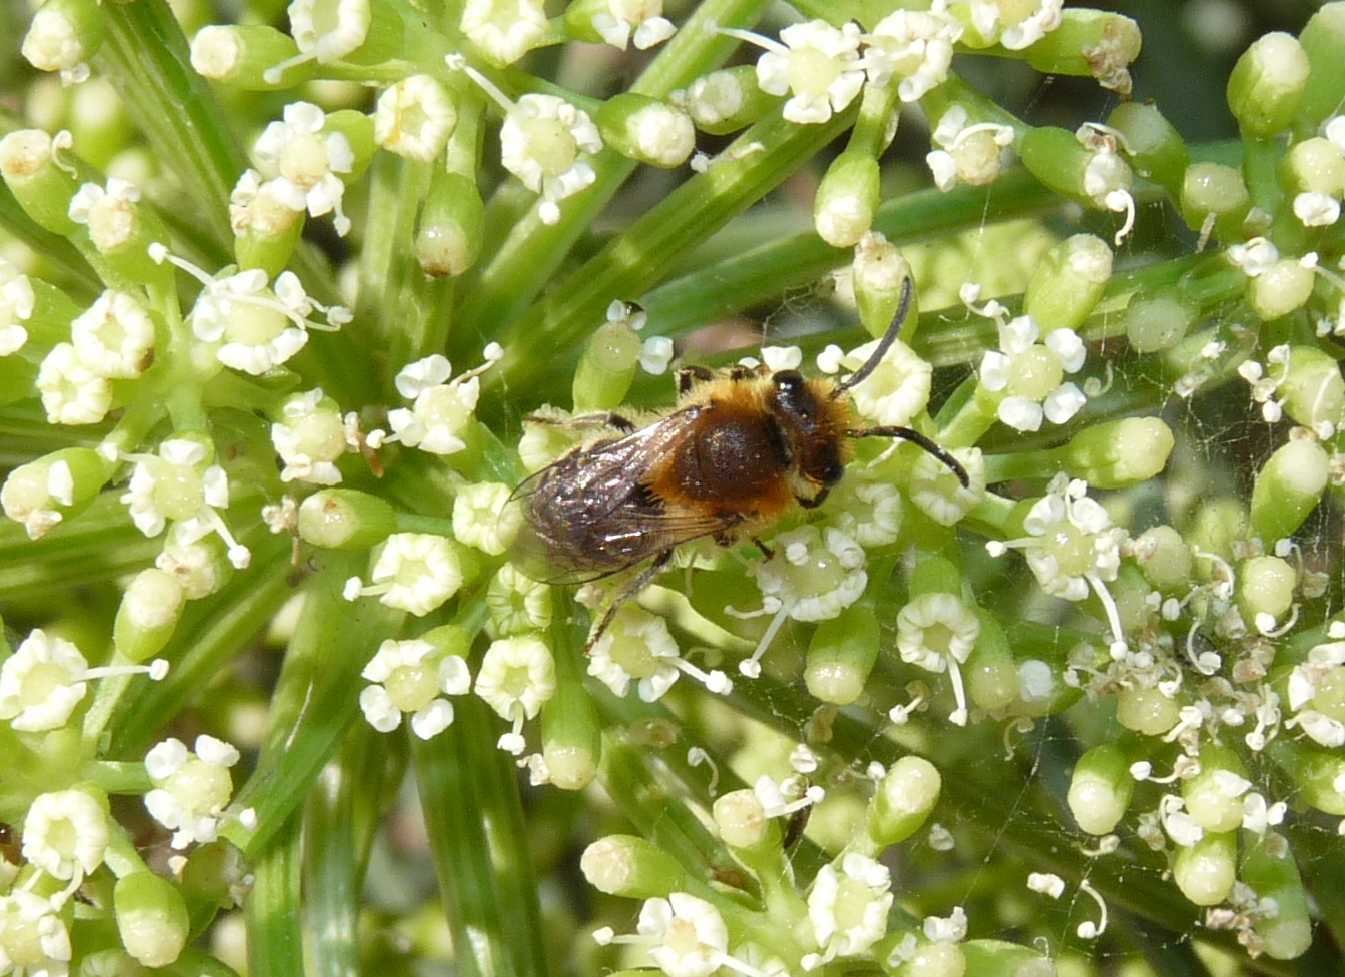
[[414, 117], [543, 142], [1259, 817], [483, 518], [42, 683], [866, 510], [108, 213], [259, 208], [787, 797], [1180, 826], [413, 572], [1047, 883], [971, 153], [1316, 209], [57, 41], [779, 358], [545, 438], [407, 681], [504, 30], [71, 392], [946, 929], [848, 908], [34, 494], [328, 30], [516, 676], [656, 352], [1029, 375], [196, 562], [114, 337], [815, 577], [937, 632], [517, 604], [915, 45], [688, 936], [894, 392], [1021, 28], [936, 490], [191, 790], [817, 63], [636, 645], [33, 937], [303, 162], [310, 438], [640, 21], [65, 833], [16, 307], [1255, 256]]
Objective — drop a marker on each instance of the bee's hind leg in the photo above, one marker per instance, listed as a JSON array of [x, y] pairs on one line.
[[617, 422], [629, 592]]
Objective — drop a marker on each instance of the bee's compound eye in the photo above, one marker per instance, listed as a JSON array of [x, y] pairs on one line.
[[789, 381], [831, 473]]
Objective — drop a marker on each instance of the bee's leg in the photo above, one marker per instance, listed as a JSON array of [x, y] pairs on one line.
[[690, 377], [766, 551], [617, 422], [741, 373], [816, 500], [629, 592]]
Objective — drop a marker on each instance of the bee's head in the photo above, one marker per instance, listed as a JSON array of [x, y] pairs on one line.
[[807, 419]]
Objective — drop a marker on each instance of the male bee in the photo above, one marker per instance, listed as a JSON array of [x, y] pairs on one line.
[[736, 454]]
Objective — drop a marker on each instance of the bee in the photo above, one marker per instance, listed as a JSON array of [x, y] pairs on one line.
[[735, 455]]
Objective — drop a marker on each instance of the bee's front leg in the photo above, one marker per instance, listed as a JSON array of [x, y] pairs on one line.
[[630, 591]]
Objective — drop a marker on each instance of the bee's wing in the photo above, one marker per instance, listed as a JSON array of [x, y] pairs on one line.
[[592, 514]]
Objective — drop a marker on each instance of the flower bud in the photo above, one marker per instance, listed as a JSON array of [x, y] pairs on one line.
[[241, 54], [1218, 524], [742, 821], [151, 918], [1288, 487], [878, 273], [1116, 454], [1214, 795], [122, 229], [1265, 586], [932, 959], [63, 35], [1146, 711], [571, 732], [147, 615], [841, 655], [1323, 40], [846, 199], [630, 866], [1089, 43], [1100, 789], [1155, 148], [266, 229], [903, 801], [1218, 190], [1158, 322], [1068, 282], [98, 121], [1318, 774], [1062, 163], [1205, 871], [53, 488], [1314, 165], [1165, 559], [451, 227], [42, 187], [1269, 868], [647, 130], [606, 366], [342, 519], [727, 100], [991, 672], [1282, 288], [1267, 84], [997, 958], [1313, 391]]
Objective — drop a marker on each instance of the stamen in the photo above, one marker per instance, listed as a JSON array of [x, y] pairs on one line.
[[63, 140], [751, 667], [1207, 662], [156, 670], [753, 38], [1118, 646], [1088, 930], [1118, 202], [697, 757], [456, 62], [958, 717], [715, 681], [272, 75]]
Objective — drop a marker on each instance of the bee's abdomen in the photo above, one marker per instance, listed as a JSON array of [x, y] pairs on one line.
[[733, 463]]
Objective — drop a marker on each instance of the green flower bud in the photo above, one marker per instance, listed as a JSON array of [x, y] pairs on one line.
[[841, 655], [1214, 796], [1267, 84], [991, 672], [1205, 871], [1068, 283], [629, 866], [63, 35], [1117, 454], [1090, 43], [1062, 163], [358, 129], [1280, 289], [1158, 322], [1318, 774], [451, 227], [1217, 190], [98, 121], [1313, 391], [928, 960], [647, 130], [727, 100], [1314, 166], [266, 231], [42, 186], [606, 366], [151, 918], [1323, 40], [53, 488], [122, 229], [1155, 148], [1146, 711], [997, 958], [343, 519], [147, 615], [1265, 587], [742, 821], [846, 199], [878, 272], [1165, 559], [571, 732], [1100, 789], [1217, 525], [1288, 488], [1269, 868], [903, 801], [241, 54]]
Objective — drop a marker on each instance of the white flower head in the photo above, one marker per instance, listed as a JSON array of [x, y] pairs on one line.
[[72, 393], [897, 390], [108, 212], [1254, 257], [42, 683], [946, 929], [816, 64], [516, 676], [545, 141], [638, 21], [636, 646], [813, 576], [414, 117], [413, 572], [34, 494], [65, 833], [16, 307], [914, 45], [517, 603], [408, 677], [656, 352], [114, 337], [310, 438], [1015, 25], [686, 935], [483, 517], [866, 510], [196, 562], [191, 789], [936, 490], [261, 207], [1260, 817], [441, 408], [504, 30], [937, 632], [848, 907], [33, 937], [1029, 375], [328, 30], [303, 161], [1316, 209], [970, 153]]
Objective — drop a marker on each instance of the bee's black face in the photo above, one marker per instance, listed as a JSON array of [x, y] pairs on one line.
[[791, 392]]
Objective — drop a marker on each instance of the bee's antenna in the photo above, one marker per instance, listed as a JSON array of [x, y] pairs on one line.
[[884, 344], [915, 437]]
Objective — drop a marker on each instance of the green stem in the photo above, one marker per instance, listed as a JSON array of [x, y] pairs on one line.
[[117, 778], [272, 909]]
